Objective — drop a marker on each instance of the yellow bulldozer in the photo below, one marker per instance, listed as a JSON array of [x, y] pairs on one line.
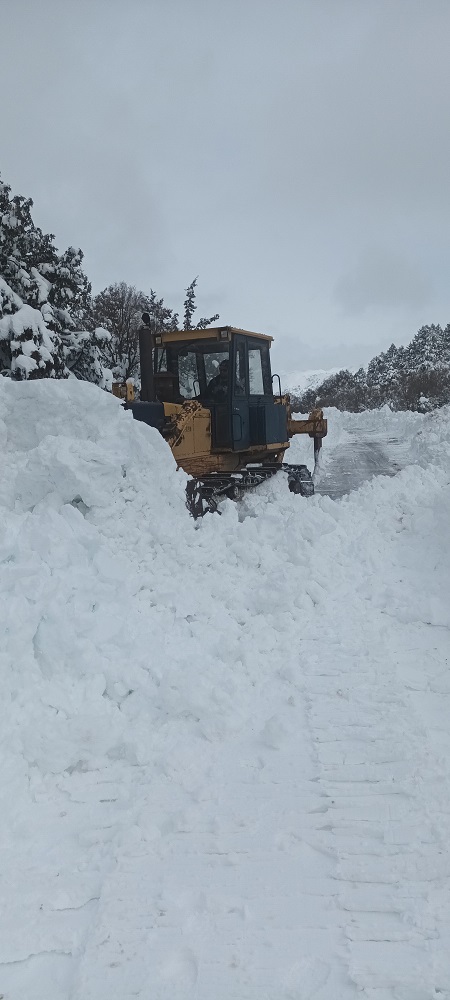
[[211, 395]]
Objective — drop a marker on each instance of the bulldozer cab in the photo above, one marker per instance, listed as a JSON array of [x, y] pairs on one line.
[[228, 371]]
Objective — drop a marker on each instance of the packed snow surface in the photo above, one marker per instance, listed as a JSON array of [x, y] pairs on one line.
[[225, 745]]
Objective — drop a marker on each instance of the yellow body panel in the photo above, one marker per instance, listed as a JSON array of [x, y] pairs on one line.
[[188, 433]]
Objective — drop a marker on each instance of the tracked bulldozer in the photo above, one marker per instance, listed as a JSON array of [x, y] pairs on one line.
[[211, 395]]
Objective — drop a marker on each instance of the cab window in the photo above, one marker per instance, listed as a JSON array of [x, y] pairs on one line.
[[239, 373], [260, 383], [160, 360], [188, 382], [255, 372]]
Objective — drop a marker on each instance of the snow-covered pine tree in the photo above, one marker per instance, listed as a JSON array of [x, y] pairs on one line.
[[427, 348], [23, 246], [45, 300], [446, 345], [29, 348], [69, 313]]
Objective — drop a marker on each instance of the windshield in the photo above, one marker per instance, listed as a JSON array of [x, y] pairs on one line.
[[203, 370]]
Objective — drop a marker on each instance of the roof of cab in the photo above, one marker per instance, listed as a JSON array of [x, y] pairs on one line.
[[209, 333]]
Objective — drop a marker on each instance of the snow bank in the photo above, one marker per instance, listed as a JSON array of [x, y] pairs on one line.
[[63, 440], [224, 744], [74, 464]]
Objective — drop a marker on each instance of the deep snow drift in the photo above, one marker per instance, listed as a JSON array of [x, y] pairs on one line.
[[224, 745]]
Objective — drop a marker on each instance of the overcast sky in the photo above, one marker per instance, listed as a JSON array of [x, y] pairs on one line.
[[292, 153]]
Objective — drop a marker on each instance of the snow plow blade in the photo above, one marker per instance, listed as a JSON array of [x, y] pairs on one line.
[[316, 426]]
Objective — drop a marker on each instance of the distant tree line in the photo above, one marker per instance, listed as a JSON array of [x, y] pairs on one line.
[[51, 326], [416, 377]]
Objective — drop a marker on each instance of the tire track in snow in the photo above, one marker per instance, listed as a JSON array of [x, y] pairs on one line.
[[383, 820], [231, 900]]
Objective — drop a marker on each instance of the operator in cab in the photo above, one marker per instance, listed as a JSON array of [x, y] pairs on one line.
[[218, 386]]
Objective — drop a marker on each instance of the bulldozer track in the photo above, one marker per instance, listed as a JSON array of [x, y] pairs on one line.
[[204, 493]]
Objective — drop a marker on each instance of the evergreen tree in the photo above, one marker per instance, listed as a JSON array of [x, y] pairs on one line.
[[84, 354], [161, 317], [190, 307], [42, 329], [23, 246]]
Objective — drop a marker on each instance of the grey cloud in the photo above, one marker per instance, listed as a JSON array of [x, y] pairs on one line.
[[383, 279]]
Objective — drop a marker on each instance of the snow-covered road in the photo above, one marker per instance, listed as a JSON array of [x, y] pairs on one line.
[[357, 462], [358, 449], [225, 746]]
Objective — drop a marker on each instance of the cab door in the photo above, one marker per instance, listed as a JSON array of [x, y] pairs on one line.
[[267, 419], [240, 421]]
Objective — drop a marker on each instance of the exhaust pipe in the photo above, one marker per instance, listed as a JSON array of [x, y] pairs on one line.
[[146, 357]]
